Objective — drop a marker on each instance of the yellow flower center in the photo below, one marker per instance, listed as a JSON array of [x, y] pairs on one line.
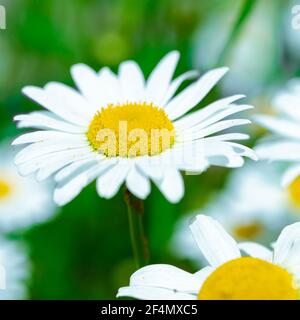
[[248, 231], [5, 189], [131, 130], [294, 192], [249, 279]]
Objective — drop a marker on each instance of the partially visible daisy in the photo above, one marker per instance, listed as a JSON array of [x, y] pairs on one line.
[[284, 144], [23, 202], [263, 274], [69, 141], [253, 51], [14, 270], [290, 32], [250, 215]]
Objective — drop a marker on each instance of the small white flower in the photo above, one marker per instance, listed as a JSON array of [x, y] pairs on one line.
[[250, 215], [69, 142], [284, 145], [23, 202], [14, 270], [262, 274]]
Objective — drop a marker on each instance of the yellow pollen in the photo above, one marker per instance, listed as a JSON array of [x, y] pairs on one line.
[[248, 231], [249, 279], [294, 192], [5, 189], [131, 130]]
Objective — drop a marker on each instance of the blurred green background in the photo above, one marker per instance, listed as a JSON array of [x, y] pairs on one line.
[[85, 252]]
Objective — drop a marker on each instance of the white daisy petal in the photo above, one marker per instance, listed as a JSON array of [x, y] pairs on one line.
[[69, 190], [110, 182], [46, 120], [204, 113], [227, 154], [215, 243], [216, 127], [171, 185], [70, 99], [242, 150], [279, 150], [203, 274], [189, 156], [193, 94], [285, 243], [292, 263], [151, 293], [229, 160], [42, 136], [175, 84], [288, 104], [256, 250], [132, 81], [60, 161], [137, 183], [98, 88], [160, 78], [290, 175], [150, 169], [46, 171], [163, 282], [166, 276], [229, 136], [192, 135], [282, 127], [221, 115], [87, 81], [38, 149], [111, 87], [74, 167], [54, 103], [63, 157]]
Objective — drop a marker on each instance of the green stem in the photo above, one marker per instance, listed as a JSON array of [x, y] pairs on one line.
[[139, 241], [236, 28]]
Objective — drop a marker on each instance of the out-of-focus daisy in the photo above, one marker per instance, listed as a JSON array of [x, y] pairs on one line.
[[257, 208], [262, 274], [23, 202], [290, 33], [14, 270], [111, 131], [284, 144], [253, 52]]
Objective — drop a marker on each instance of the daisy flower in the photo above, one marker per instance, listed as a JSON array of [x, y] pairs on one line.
[[14, 270], [110, 130], [250, 215], [23, 202], [260, 274], [250, 45], [284, 144]]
